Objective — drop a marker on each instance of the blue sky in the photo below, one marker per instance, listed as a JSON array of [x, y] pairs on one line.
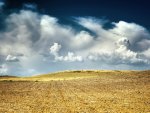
[[40, 37]]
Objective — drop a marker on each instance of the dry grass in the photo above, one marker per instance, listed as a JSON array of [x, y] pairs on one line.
[[77, 92]]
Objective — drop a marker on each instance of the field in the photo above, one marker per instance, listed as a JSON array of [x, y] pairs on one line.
[[77, 92]]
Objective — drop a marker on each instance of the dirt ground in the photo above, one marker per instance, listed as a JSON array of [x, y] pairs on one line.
[[109, 92]]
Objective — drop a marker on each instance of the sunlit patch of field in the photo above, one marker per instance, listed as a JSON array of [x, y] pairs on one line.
[[77, 92]]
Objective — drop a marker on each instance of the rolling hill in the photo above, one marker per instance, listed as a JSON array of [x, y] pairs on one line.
[[88, 91]]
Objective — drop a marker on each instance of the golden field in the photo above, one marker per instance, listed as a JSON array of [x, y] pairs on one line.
[[77, 92]]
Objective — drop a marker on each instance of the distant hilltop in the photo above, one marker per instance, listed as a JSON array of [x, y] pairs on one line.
[[7, 76]]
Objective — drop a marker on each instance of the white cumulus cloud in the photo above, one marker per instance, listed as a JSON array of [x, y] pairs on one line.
[[34, 37], [11, 58], [71, 57]]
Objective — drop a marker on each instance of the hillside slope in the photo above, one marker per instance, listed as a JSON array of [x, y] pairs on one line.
[[69, 75], [77, 92]]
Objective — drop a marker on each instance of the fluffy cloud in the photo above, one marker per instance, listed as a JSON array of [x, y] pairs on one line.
[[123, 42], [54, 49], [126, 55], [137, 35], [128, 42], [41, 44], [71, 57], [11, 58]]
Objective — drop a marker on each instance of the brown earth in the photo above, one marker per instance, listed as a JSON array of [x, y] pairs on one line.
[[77, 92]]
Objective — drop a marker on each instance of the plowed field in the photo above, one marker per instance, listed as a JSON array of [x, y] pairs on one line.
[[77, 92]]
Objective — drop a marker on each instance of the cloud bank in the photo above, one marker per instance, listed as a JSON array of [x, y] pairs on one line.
[[34, 43]]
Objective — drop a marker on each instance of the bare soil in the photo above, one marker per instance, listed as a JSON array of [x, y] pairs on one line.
[[103, 92]]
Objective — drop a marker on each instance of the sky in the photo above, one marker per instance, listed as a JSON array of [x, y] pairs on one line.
[[43, 36]]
